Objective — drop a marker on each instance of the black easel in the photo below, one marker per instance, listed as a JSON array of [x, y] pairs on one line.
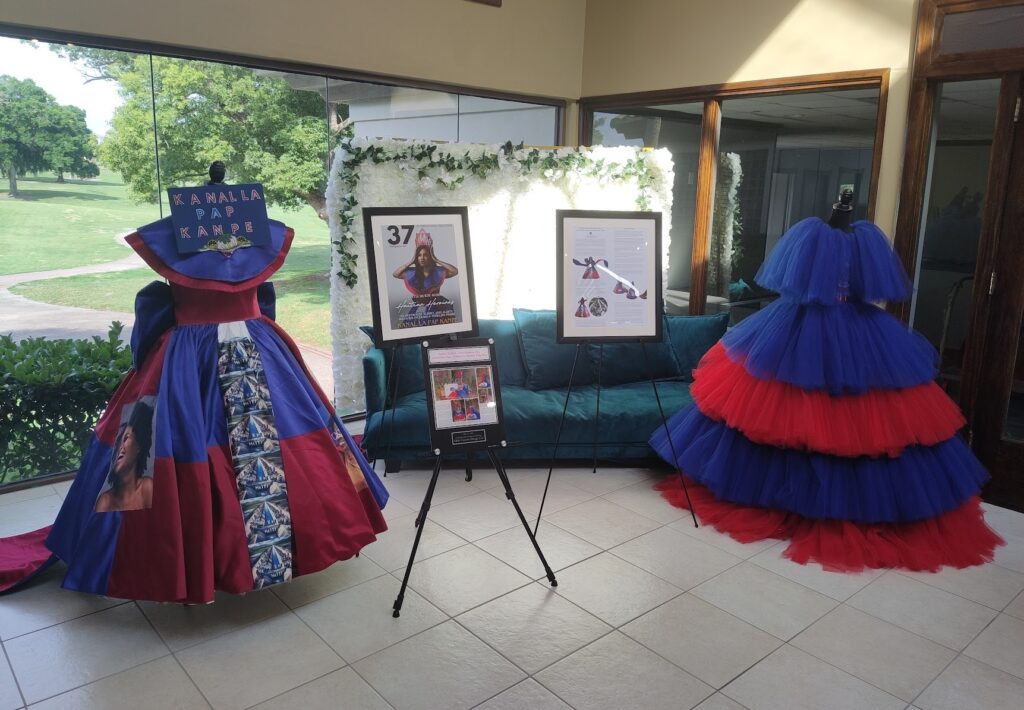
[[561, 424], [421, 520]]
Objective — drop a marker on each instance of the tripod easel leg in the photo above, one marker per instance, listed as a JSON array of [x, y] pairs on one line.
[[668, 435], [420, 520], [597, 414], [558, 437], [503, 475]]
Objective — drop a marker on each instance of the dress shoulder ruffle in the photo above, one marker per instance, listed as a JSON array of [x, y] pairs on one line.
[[816, 263]]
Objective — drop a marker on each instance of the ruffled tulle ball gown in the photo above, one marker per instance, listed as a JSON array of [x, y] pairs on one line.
[[218, 464], [818, 420]]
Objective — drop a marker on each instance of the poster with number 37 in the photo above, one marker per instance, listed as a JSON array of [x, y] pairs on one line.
[[421, 277]]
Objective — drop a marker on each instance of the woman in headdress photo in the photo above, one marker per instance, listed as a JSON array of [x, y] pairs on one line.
[[130, 486]]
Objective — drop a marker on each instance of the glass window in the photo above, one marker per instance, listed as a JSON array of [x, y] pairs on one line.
[[781, 159], [86, 173], [676, 127], [964, 123], [982, 30]]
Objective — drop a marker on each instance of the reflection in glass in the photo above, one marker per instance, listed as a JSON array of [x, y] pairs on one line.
[[951, 220], [677, 128], [1014, 427], [981, 30], [782, 159], [381, 111]]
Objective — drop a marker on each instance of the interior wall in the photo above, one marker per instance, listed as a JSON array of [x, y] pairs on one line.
[[645, 45], [526, 46]]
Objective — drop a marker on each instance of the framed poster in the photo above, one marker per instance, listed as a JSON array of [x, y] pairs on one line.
[[608, 276], [421, 278], [464, 399]]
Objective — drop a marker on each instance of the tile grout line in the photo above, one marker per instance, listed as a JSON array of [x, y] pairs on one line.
[[902, 573], [120, 603], [14, 677], [174, 656]]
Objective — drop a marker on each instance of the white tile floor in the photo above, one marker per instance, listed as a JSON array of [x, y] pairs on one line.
[[649, 613]]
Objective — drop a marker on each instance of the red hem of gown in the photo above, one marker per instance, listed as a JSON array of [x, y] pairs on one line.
[[22, 557], [959, 538], [876, 423]]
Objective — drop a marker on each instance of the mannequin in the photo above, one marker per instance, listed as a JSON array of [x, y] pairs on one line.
[[842, 212]]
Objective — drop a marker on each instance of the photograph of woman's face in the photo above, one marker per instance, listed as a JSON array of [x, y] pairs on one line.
[[127, 458], [423, 257]]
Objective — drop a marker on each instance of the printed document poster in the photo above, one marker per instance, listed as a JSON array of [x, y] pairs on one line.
[[609, 277], [462, 389]]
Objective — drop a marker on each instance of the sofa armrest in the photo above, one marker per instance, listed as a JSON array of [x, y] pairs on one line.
[[374, 380]]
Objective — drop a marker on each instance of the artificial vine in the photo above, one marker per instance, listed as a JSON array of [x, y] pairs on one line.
[[435, 164]]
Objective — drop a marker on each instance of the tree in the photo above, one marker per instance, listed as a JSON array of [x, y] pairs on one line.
[[37, 134], [261, 128], [72, 148]]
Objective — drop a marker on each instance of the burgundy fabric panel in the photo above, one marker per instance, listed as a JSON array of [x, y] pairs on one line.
[[190, 542], [21, 556], [194, 307], [331, 519], [137, 383]]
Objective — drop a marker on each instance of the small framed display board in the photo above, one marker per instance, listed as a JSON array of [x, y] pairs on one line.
[[609, 276], [421, 276], [464, 408]]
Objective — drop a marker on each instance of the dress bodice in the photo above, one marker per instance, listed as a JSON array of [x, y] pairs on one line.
[[194, 306]]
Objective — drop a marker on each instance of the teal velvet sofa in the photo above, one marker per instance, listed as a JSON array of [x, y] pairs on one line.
[[533, 373]]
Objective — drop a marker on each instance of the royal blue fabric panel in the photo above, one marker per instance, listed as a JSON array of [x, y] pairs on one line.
[[876, 274], [190, 397], [298, 409], [921, 483], [844, 349], [815, 263], [266, 297], [154, 316], [242, 265], [808, 263], [84, 539]]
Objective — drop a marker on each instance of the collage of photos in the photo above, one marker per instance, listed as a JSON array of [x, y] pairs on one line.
[[259, 470], [463, 396]]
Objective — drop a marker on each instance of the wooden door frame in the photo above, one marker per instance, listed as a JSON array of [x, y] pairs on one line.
[[712, 96], [931, 67]]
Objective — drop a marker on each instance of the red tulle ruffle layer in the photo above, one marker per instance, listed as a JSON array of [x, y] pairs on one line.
[[959, 538], [876, 423]]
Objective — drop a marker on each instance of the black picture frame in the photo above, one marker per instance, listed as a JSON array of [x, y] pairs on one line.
[[569, 327], [472, 357], [390, 301]]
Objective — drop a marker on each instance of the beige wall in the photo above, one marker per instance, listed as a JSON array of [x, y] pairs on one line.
[[537, 46], [642, 45], [527, 46]]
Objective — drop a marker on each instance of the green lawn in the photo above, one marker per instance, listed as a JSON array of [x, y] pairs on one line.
[[53, 225], [303, 286]]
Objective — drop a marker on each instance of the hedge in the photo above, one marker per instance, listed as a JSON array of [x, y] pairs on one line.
[[51, 394]]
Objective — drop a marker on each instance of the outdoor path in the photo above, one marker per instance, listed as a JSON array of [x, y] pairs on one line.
[[24, 318]]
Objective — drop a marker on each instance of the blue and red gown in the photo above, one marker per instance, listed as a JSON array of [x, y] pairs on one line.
[[818, 420], [223, 516]]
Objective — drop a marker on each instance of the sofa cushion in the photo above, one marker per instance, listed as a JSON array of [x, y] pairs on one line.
[[506, 348], [692, 336], [547, 363], [619, 363], [409, 369]]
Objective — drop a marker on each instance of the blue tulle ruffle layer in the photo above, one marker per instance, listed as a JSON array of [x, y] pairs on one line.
[[847, 348], [921, 483], [814, 263]]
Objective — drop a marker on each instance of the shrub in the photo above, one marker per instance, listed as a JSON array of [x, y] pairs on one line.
[[51, 394]]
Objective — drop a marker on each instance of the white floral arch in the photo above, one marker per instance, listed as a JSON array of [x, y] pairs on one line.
[[512, 194]]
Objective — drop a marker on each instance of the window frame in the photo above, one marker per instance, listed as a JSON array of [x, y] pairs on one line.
[[329, 72], [711, 127]]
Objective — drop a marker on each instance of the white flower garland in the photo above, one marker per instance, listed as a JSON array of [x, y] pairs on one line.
[[512, 194]]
